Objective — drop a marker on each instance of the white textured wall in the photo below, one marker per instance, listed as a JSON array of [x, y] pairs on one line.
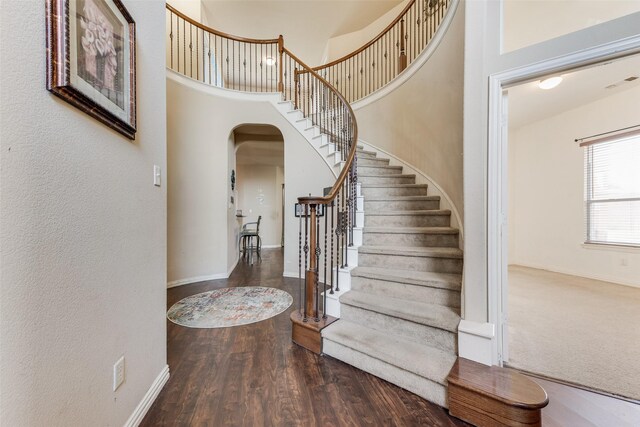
[[546, 175], [527, 22], [344, 44], [200, 119], [421, 121], [83, 236]]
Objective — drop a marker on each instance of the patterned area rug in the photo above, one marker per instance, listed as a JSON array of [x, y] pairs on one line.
[[229, 307]]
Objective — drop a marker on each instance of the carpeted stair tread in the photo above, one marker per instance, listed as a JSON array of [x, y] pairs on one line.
[[420, 359], [397, 175], [410, 212], [412, 230], [393, 185], [434, 252], [362, 151], [437, 316], [382, 167], [448, 281], [397, 198]]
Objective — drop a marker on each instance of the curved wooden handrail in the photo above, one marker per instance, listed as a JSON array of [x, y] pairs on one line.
[[371, 42], [312, 200], [219, 33]]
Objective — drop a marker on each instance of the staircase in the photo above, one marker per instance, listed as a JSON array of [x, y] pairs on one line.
[[399, 320]]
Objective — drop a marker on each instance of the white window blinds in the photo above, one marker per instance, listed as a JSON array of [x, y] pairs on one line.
[[612, 190]]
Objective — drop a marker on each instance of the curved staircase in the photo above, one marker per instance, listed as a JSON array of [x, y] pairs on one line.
[[400, 307], [399, 320]]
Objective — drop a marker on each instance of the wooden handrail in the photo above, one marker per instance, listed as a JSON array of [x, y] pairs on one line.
[[331, 195], [219, 33], [371, 42]]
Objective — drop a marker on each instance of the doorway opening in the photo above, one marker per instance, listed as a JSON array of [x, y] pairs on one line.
[[569, 263], [259, 190]]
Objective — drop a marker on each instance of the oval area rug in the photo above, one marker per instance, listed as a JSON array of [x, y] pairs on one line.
[[226, 307]]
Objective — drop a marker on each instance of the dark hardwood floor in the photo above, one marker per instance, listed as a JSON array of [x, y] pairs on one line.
[[254, 375]]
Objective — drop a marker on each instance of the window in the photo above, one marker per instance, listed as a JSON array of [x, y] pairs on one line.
[[612, 190]]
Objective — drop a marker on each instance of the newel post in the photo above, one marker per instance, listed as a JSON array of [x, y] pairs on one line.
[[311, 275], [403, 54], [281, 64]]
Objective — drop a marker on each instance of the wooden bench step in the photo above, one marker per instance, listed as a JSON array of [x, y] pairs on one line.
[[493, 396]]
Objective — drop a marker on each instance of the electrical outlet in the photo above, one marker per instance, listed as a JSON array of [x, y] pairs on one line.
[[624, 262], [118, 373]]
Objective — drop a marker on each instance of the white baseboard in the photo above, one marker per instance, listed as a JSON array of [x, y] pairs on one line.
[[190, 280], [569, 272], [141, 410], [293, 274], [271, 246], [476, 342]]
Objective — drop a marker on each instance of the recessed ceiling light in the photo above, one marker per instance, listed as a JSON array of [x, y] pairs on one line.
[[550, 82], [270, 61]]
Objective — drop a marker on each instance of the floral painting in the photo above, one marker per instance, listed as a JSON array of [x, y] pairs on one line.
[[100, 61], [91, 60]]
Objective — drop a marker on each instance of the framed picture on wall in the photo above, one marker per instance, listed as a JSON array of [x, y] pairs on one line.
[[91, 59]]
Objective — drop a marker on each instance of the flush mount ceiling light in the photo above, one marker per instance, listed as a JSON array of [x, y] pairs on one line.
[[270, 61], [550, 83]]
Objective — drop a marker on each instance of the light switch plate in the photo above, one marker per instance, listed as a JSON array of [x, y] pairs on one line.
[[157, 175], [118, 373]]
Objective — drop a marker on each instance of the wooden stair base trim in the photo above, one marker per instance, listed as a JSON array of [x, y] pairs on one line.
[[308, 334], [493, 396]]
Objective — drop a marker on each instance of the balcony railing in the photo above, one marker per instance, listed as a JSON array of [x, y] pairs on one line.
[[382, 59]]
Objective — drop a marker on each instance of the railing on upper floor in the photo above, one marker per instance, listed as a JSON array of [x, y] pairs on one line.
[[382, 59], [326, 222], [220, 59]]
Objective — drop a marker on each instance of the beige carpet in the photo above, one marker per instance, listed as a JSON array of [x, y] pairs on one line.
[[578, 330]]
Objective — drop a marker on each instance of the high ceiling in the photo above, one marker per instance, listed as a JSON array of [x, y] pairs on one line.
[[306, 25], [528, 103]]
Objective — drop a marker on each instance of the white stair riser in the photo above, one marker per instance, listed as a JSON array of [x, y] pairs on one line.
[[352, 256], [443, 220], [303, 124], [295, 115], [360, 218], [285, 107], [333, 305], [394, 326], [397, 205], [377, 192], [357, 236], [413, 263], [410, 239], [312, 131], [431, 295], [386, 179]]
